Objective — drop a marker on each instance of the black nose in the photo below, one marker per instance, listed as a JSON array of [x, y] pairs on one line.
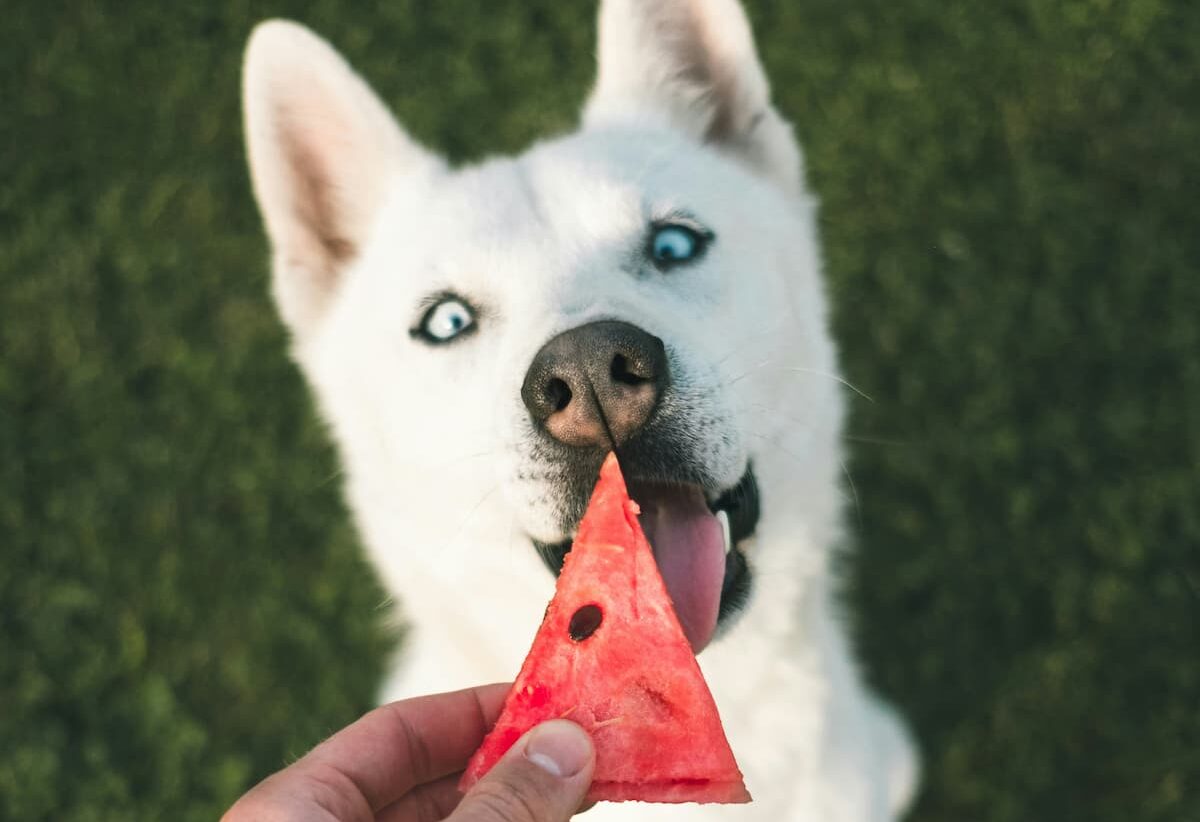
[[603, 372]]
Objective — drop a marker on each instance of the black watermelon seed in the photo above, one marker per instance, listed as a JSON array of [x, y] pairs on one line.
[[584, 622]]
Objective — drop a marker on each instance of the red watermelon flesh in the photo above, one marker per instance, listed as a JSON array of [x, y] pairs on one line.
[[631, 680]]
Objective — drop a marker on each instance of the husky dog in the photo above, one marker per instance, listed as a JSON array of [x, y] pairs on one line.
[[478, 337]]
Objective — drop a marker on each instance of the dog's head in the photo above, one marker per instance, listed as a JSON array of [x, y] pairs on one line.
[[489, 333]]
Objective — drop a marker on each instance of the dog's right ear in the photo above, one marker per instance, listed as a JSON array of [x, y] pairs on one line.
[[322, 150]]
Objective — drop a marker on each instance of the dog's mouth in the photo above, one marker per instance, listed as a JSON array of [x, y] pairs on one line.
[[699, 545]]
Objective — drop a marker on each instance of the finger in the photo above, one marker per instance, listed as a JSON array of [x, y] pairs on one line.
[[314, 795], [543, 778], [431, 802], [378, 759], [403, 744]]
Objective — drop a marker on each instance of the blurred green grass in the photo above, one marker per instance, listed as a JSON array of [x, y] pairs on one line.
[[1010, 219]]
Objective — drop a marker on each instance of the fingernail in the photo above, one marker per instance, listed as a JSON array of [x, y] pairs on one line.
[[559, 747]]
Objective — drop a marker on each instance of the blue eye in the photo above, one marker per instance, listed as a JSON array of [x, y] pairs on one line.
[[445, 320], [673, 244]]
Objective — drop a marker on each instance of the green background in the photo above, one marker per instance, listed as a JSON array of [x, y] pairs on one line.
[[1011, 223]]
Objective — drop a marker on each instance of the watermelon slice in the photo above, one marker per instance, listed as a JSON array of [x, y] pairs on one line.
[[611, 656]]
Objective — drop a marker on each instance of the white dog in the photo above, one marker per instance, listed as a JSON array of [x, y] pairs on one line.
[[474, 334]]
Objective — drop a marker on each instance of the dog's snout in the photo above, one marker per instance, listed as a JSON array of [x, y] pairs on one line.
[[598, 378]]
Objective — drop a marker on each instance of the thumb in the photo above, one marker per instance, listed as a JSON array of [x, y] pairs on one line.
[[542, 778]]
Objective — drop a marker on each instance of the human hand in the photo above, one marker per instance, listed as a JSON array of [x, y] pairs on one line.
[[401, 763]]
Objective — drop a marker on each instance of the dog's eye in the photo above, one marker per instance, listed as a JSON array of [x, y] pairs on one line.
[[672, 244], [445, 320]]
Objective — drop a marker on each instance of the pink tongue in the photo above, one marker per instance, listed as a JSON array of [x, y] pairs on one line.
[[689, 547]]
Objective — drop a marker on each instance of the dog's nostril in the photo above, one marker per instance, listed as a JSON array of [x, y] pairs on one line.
[[625, 372], [558, 394]]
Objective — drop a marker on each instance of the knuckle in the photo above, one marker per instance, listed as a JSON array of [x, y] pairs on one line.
[[419, 755], [333, 793], [428, 808], [309, 790]]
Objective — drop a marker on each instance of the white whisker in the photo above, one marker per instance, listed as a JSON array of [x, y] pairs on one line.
[[773, 442], [466, 520], [749, 338], [748, 372], [833, 377], [854, 491], [801, 370], [773, 414], [456, 460], [337, 473], [874, 440]]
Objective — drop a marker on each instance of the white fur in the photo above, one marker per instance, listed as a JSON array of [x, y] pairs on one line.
[[441, 477]]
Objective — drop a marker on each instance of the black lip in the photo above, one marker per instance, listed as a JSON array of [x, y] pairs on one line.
[[741, 505]]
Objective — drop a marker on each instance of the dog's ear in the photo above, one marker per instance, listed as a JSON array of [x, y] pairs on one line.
[[322, 151], [692, 62]]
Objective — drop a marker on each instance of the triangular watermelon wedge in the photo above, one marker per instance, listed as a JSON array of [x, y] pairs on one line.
[[611, 656]]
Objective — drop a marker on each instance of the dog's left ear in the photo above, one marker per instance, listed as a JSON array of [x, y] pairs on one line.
[[694, 63]]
